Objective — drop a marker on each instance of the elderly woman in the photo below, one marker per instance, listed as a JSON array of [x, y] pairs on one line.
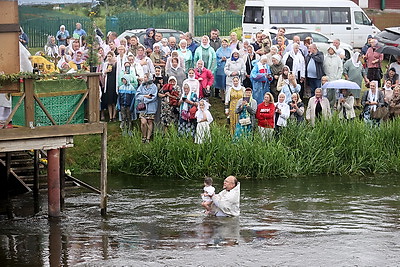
[[175, 54], [188, 101], [392, 76], [234, 67], [51, 48], [186, 54], [169, 95], [246, 108], [371, 100], [290, 86], [248, 62], [333, 68], [272, 51], [233, 94], [177, 71], [265, 115], [223, 54], [260, 77], [276, 71], [296, 108], [147, 107], [206, 53], [234, 43], [345, 105], [354, 71], [318, 107], [205, 78]]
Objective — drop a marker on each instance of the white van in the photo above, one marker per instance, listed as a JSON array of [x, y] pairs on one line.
[[337, 19]]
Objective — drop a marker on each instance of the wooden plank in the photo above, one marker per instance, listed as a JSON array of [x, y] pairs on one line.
[[9, 28], [62, 178], [38, 143], [63, 93], [14, 111], [52, 131], [77, 107], [44, 110], [94, 98], [29, 103], [103, 173]]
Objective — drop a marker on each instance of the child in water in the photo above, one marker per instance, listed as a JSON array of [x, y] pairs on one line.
[[209, 190]]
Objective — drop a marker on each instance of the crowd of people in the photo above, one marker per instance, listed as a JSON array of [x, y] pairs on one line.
[[262, 84]]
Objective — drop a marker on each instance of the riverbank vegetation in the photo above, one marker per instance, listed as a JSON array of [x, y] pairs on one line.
[[331, 147]]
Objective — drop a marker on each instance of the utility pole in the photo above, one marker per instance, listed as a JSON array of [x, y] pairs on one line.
[[191, 17]]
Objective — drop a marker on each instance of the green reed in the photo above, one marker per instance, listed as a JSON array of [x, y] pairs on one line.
[[331, 147]]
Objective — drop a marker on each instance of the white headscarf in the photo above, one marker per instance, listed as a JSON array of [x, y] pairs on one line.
[[208, 43], [354, 59], [373, 97]]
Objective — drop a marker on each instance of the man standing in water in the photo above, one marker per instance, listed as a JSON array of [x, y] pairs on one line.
[[226, 203]]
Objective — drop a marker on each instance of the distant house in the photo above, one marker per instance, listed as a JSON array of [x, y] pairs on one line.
[[377, 4], [52, 2]]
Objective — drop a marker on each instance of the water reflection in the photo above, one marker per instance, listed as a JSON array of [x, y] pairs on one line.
[[334, 220]]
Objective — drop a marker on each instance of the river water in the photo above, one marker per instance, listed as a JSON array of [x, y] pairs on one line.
[[153, 221]]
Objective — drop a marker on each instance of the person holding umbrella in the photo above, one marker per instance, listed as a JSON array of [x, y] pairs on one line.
[[345, 105]]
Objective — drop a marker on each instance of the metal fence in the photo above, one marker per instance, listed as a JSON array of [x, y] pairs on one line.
[[38, 24], [225, 21]]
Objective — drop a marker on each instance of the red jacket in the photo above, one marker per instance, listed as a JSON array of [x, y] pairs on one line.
[[265, 115], [208, 79]]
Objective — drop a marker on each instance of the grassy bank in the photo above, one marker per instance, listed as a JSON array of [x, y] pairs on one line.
[[331, 147]]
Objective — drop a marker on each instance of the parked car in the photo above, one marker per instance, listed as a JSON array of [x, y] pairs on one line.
[[141, 33], [389, 36], [319, 39]]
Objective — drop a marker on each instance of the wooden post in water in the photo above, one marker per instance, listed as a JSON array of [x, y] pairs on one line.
[[36, 181], [62, 178], [103, 175], [53, 182]]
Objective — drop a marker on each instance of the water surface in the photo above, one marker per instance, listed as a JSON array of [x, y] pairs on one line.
[[154, 221]]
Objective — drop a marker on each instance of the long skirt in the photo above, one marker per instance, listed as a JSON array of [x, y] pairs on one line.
[[202, 133]]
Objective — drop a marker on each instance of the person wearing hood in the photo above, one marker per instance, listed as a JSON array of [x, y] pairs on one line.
[[128, 71], [169, 95], [354, 71], [51, 48], [149, 39], [232, 96], [147, 106], [62, 36], [126, 103], [276, 71], [260, 77], [227, 202], [177, 71], [223, 53], [207, 54], [186, 54], [204, 119], [193, 83], [234, 67], [333, 68], [205, 78]]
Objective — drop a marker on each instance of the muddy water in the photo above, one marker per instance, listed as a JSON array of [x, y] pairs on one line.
[[152, 221]]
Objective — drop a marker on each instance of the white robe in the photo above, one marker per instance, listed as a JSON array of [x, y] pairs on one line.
[[226, 203]]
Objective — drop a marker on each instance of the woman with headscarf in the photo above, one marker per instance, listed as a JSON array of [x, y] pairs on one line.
[[244, 50], [51, 48], [177, 71], [296, 108], [290, 86], [234, 67], [281, 45], [205, 78], [204, 118], [144, 61], [246, 108], [207, 54], [345, 105], [147, 95], [232, 96], [282, 113], [294, 59], [248, 62], [187, 124], [354, 71], [193, 83], [62, 36], [260, 77], [272, 51], [276, 71], [175, 54], [169, 95], [318, 107], [333, 68], [109, 96], [265, 115], [223, 54], [186, 54], [149, 39], [371, 100]]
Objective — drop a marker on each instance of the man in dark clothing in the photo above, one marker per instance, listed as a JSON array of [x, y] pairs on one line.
[[215, 41], [314, 68]]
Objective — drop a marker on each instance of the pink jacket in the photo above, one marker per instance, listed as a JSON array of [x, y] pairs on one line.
[[372, 55], [208, 79]]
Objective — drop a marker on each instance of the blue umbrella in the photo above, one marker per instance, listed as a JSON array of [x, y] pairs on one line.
[[341, 84]]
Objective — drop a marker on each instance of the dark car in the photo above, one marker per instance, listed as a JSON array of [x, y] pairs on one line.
[[389, 36], [141, 33]]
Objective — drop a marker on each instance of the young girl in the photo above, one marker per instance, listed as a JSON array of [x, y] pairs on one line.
[[204, 118], [208, 191]]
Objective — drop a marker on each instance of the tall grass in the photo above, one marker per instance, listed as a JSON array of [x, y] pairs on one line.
[[331, 147]]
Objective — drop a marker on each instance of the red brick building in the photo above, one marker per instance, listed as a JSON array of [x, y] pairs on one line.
[[378, 4]]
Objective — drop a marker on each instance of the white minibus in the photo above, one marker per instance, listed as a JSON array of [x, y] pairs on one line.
[[337, 19]]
